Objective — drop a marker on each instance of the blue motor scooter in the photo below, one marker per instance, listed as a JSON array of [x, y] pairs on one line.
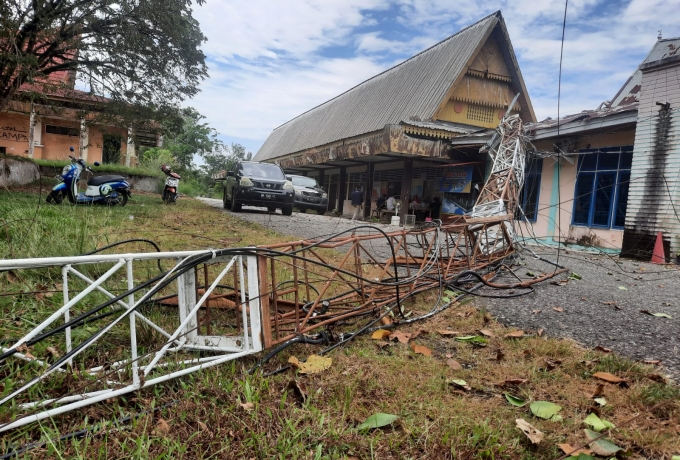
[[108, 190]]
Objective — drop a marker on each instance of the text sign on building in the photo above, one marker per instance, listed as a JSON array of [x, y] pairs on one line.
[[457, 179]]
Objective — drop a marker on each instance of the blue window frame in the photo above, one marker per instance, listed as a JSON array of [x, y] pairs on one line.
[[601, 190], [528, 198]]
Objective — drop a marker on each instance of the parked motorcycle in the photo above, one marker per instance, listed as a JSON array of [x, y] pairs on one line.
[[106, 190], [169, 194]]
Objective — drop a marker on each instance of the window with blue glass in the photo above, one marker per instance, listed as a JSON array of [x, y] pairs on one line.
[[528, 197], [601, 191]]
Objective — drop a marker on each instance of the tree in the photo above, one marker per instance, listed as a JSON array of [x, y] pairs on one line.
[[186, 138], [144, 53]]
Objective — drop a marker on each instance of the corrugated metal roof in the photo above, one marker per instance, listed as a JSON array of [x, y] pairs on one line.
[[585, 115], [420, 82], [630, 91]]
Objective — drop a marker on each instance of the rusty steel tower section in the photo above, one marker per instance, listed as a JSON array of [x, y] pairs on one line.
[[500, 196]]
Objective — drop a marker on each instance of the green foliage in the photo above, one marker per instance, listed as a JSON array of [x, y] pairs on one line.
[[105, 168], [139, 54]]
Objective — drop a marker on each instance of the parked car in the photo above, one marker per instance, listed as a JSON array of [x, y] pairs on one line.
[[308, 194], [258, 184]]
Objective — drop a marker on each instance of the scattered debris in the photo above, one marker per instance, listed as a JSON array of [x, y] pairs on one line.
[[603, 349], [597, 424], [313, 365], [558, 309], [453, 364], [298, 389], [514, 335], [247, 406], [571, 451], [607, 377], [602, 446], [599, 391], [459, 383], [658, 315], [421, 350], [534, 435], [380, 334], [487, 333], [514, 400], [378, 420], [546, 410]]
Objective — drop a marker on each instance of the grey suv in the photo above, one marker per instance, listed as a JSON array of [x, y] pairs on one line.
[[308, 194]]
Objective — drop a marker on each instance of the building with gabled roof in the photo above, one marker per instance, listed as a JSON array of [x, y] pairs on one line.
[[391, 134]]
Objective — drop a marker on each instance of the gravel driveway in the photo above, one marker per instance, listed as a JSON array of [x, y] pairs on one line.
[[602, 308]]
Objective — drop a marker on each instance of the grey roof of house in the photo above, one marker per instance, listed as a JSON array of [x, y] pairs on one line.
[[413, 89], [630, 91]]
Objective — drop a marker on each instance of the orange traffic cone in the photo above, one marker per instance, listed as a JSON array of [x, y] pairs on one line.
[[658, 257]]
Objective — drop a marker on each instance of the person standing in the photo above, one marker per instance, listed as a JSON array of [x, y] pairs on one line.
[[357, 198]]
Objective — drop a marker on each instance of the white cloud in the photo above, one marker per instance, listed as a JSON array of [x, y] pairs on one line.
[[267, 61]]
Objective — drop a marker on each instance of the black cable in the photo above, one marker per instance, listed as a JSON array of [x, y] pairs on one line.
[[559, 151]]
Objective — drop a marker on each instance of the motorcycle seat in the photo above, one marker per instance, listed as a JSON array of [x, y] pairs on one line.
[[99, 180]]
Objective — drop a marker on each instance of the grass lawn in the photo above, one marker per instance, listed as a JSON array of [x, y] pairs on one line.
[[203, 415]]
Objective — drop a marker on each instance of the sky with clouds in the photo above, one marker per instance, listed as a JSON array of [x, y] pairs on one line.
[[270, 60]]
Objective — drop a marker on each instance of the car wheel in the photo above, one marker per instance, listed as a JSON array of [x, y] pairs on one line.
[[287, 210], [236, 207], [225, 203]]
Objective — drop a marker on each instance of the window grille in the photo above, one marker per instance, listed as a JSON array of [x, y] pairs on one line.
[[480, 113]]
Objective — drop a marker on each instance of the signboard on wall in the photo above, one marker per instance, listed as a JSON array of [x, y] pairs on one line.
[[457, 179]]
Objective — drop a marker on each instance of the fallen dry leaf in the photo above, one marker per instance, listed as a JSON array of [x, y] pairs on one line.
[[453, 364], [418, 333], [514, 335], [11, 277], [487, 318], [386, 320], [603, 349], [313, 365], [419, 349], [499, 355], [599, 391], [161, 427], [402, 337], [552, 363], [653, 362], [534, 435], [535, 312], [558, 309], [203, 426], [511, 382], [527, 353], [53, 351], [540, 332], [560, 283], [298, 389], [486, 332], [569, 450], [247, 406], [380, 334], [657, 378], [607, 377]]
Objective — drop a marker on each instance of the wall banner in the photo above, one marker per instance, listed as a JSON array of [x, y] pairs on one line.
[[457, 179]]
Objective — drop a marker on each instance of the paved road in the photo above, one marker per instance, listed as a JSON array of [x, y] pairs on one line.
[[603, 308]]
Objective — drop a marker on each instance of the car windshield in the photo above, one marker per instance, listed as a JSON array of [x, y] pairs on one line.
[[304, 181], [263, 170]]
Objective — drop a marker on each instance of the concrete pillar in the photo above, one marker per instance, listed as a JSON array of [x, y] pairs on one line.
[[406, 177], [130, 151], [368, 189], [342, 188], [84, 140], [31, 132], [322, 179]]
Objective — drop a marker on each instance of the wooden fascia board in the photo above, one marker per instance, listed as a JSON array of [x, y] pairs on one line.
[[463, 71]]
